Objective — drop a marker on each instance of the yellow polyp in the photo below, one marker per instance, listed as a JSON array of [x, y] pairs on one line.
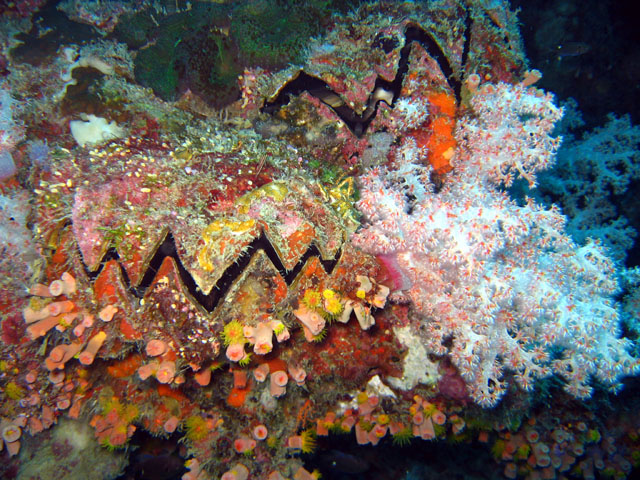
[[196, 428], [320, 336], [204, 260], [215, 236], [448, 154], [429, 409], [383, 419], [403, 437], [214, 227], [109, 403], [227, 225], [523, 452], [328, 293], [13, 391], [278, 191], [308, 441], [278, 328], [64, 322], [233, 332], [183, 154], [246, 360], [238, 226], [312, 299], [130, 413], [38, 303], [365, 425], [333, 306]]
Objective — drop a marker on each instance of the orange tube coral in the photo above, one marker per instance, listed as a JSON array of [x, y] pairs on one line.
[[278, 382], [61, 354], [166, 372], [156, 347], [89, 353], [65, 286]]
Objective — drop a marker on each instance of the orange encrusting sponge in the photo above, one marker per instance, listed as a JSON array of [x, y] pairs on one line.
[[438, 135], [442, 143]]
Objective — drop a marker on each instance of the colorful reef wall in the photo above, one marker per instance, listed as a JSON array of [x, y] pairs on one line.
[[249, 228]]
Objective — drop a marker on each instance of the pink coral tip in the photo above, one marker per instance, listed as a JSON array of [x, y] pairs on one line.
[[107, 313], [235, 352], [145, 371], [438, 417], [56, 376], [171, 424], [280, 378], [13, 448], [244, 444], [56, 288], [166, 372], [156, 347], [11, 433], [260, 372], [63, 403], [31, 376], [260, 432], [203, 377], [239, 472], [297, 374]]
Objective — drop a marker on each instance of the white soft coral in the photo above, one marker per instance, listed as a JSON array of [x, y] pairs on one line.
[[498, 286]]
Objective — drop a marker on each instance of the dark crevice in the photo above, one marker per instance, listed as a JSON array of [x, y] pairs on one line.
[[358, 123], [467, 41], [415, 33], [209, 302], [50, 29]]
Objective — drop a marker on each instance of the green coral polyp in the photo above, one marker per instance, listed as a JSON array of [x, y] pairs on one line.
[[403, 437], [196, 428], [14, 391]]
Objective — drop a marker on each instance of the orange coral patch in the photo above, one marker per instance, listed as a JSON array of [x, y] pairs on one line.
[[165, 269], [240, 378], [126, 367], [237, 397], [128, 331], [446, 104], [170, 355], [104, 286], [167, 391], [313, 267], [302, 237], [280, 291], [276, 365], [59, 257], [441, 143], [421, 136]]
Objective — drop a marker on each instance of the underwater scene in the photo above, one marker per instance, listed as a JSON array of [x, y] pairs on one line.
[[305, 239]]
